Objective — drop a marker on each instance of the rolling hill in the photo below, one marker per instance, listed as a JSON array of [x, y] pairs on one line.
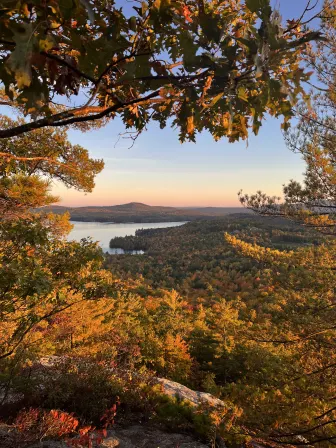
[[138, 212]]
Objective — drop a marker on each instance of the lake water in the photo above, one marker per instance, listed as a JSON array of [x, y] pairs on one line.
[[105, 231]]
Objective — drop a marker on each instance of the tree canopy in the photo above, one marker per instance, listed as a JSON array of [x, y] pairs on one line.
[[217, 65], [249, 317], [37, 265], [29, 162]]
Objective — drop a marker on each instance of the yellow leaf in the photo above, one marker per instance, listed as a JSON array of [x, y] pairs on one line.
[[243, 125], [23, 77], [242, 94], [46, 44], [215, 99], [190, 124]]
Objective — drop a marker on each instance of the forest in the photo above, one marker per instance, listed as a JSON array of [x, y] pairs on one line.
[[222, 333], [137, 212]]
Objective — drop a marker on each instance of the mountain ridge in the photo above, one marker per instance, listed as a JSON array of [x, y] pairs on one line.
[[140, 212]]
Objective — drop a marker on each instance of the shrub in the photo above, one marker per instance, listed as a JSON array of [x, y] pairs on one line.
[[36, 424]]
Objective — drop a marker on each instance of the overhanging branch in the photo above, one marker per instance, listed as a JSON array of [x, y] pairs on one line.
[[71, 117]]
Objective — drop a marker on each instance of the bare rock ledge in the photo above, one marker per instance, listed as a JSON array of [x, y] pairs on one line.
[[136, 437], [195, 398]]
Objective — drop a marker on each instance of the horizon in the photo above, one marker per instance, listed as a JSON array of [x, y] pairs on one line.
[[142, 203], [158, 170]]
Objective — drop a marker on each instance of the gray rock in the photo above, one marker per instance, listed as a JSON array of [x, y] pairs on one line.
[[134, 437], [144, 437], [51, 360], [170, 388], [7, 436], [11, 397], [49, 444], [195, 398]]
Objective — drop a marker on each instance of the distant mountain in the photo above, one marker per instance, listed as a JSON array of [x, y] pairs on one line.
[[138, 212]]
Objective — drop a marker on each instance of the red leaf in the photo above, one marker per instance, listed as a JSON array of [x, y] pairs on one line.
[[187, 13]]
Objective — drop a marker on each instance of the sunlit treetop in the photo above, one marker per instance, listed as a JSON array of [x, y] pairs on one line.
[[217, 65], [30, 162]]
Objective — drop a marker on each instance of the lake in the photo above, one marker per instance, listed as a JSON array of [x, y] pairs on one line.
[[105, 231]]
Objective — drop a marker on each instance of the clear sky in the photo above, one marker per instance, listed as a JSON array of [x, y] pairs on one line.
[[158, 170]]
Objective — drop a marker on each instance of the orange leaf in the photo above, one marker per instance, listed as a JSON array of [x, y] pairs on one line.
[[186, 13]]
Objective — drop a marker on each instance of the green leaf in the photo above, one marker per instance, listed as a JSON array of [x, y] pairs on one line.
[[132, 22], [215, 99], [19, 61], [188, 49], [253, 5], [242, 94], [261, 7], [210, 27], [143, 65], [47, 43], [251, 44]]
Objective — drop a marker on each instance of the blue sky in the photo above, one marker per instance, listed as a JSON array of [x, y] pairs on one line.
[[158, 170]]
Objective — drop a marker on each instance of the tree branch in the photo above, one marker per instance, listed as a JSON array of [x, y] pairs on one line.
[[70, 117]]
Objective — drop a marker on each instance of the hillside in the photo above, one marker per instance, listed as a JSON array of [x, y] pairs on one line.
[[138, 212]]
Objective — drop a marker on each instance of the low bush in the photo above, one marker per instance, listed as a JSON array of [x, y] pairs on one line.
[[36, 424], [84, 390]]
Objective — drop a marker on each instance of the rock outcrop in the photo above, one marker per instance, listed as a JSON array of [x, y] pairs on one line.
[[135, 437], [143, 437], [195, 398]]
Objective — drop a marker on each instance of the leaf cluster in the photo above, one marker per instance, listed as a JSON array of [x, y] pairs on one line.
[[217, 65]]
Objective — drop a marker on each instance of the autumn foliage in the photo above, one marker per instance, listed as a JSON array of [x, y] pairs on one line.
[[240, 307], [215, 66]]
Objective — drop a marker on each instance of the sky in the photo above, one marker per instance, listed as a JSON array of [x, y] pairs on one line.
[[158, 170]]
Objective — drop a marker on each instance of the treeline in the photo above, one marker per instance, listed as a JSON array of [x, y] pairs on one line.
[[128, 243], [194, 258], [211, 305], [141, 213], [249, 322]]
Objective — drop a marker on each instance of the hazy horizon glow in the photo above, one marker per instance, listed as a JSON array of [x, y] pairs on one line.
[[158, 170]]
